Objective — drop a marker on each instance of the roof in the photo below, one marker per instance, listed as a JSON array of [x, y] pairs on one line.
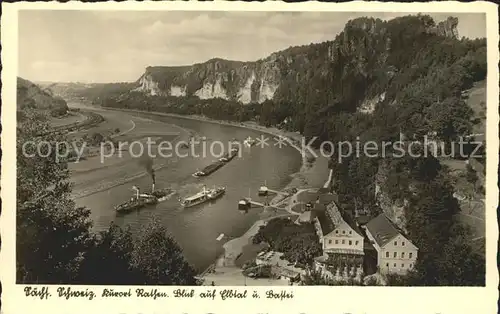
[[363, 219], [382, 229], [286, 272], [332, 217], [326, 199], [324, 190], [326, 224], [307, 196], [319, 208]]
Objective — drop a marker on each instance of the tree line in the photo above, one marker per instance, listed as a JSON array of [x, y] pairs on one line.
[[418, 77], [54, 240]]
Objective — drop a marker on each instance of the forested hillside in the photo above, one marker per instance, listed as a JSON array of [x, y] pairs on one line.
[[377, 80], [401, 73], [32, 96]]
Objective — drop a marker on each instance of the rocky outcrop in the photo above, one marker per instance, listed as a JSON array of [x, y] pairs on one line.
[[245, 82], [448, 27], [368, 106], [148, 85], [358, 55], [394, 209]]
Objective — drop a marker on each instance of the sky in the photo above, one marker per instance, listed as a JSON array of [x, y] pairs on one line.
[[113, 46]]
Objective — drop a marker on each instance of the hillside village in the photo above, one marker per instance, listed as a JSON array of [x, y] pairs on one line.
[[355, 246]]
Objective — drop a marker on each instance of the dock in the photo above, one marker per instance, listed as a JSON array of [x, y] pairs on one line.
[[262, 204], [277, 192]]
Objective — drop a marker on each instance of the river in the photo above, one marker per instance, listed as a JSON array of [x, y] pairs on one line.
[[196, 228]]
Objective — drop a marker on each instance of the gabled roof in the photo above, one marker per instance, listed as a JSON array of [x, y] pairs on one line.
[[382, 229], [326, 224], [318, 208], [326, 199], [334, 217]]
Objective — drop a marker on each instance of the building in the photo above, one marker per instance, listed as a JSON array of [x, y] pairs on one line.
[[342, 242], [395, 253], [340, 234], [280, 267]]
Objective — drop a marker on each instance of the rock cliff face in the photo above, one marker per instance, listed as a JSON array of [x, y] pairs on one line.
[[245, 82], [393, 209], [448, 27], [362, 52]]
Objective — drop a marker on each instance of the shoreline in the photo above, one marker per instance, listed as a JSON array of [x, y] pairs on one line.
[[292, 137], [311, 174]]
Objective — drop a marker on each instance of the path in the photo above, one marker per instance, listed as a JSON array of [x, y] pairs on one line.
[[126, 131], [329, 180]]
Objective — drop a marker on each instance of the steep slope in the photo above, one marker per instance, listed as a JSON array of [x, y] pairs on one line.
[[30, 95], [367, 50]]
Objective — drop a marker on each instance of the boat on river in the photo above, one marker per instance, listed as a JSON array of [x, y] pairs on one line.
[[209, 169], [249, 142], [203, 196], [229, 156], [136, 202]]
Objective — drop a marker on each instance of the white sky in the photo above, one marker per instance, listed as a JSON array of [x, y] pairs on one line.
[[93, 46]]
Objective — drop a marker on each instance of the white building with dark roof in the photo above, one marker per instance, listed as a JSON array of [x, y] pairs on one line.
[[395, 252], [340, 235]]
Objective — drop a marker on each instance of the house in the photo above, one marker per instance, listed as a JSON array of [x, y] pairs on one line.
[[395, 252], [284, 273], [280, 266], [342, 242], [340, 234]]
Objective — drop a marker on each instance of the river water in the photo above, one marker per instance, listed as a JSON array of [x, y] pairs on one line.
[[196, 228]]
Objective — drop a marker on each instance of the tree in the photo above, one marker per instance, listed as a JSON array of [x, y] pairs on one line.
[[158, 258], [471, 175], [51, 232], [108, 261]]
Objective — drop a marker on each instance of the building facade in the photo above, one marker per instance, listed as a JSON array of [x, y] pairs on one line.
[[340, 236], [395, 252]]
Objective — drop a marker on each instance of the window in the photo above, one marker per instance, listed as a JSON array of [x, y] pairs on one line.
[[336, 241], [395, 254], [386, 254], [403, 243], [387, 264], [396, 243], [402, 254], [350, 242], [394, 264], [343, 241], [329, 241], [402, 265], [357, 242], [411, 265], [350, 232], [410, 255], [336, 232], [343, 231]]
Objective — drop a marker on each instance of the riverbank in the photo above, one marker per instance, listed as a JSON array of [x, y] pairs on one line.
[[312, 169], [312, 174]]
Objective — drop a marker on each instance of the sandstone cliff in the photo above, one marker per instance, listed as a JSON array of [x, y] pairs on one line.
[[361, 52]]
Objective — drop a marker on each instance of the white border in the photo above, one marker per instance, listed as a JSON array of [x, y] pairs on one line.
[[307, 299]]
